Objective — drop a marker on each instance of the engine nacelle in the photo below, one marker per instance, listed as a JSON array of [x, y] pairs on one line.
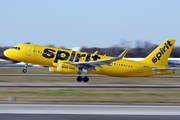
[[64, 68]]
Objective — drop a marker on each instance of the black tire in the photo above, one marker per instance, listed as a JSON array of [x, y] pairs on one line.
[[79, 79], [85, 79], [24, 70]]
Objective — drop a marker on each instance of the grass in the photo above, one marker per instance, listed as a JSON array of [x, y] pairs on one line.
[[93, 95], [90, 94]]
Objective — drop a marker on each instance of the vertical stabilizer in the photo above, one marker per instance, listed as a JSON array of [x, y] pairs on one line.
[[161, 54]]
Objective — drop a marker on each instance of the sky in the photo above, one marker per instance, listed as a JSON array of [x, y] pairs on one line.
[[91, 23]]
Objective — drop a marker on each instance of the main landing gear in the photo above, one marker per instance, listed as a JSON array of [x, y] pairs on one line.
[[25, 68], [80, 79]]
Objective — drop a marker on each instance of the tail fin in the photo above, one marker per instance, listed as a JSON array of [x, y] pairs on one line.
[[161, 54]]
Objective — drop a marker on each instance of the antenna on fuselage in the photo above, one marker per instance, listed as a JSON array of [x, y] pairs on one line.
[[28, 43]]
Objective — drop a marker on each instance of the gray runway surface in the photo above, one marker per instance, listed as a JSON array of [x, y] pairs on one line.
[[90, 109], [88, 112], [85, 117], [88, 85]]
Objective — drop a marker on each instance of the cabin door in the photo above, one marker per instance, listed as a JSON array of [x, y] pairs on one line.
[[28, 50]]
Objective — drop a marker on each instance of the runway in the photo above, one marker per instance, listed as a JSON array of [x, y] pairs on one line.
[[88, 111], [89, 85], [85, 117]]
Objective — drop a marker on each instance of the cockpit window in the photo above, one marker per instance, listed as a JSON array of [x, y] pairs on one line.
[[16, 48]]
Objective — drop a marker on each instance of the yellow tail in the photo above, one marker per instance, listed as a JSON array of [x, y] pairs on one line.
[[161, 54]]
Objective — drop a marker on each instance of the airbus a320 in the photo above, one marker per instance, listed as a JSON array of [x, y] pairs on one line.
[[63, 61]]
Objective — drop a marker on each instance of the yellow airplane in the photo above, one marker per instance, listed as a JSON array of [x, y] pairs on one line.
[[71, 62]]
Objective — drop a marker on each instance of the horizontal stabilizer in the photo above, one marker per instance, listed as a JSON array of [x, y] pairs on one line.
[[155, 70]]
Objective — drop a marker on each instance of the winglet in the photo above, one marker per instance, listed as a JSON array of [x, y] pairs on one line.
[[123, 53]]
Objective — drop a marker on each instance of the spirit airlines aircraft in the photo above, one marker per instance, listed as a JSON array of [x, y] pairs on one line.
[[70, 62]]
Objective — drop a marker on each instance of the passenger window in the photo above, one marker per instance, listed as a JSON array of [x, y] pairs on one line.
[[18, 48], [114, 63]]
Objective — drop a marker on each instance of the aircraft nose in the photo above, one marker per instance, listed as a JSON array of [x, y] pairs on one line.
[[7, 53]]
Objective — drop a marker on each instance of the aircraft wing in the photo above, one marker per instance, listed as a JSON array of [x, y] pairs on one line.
[[93, 64]]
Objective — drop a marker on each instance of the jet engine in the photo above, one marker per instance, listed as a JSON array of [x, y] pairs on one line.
[[64, 68]]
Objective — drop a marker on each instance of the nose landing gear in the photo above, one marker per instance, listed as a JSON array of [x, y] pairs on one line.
[[25, 68]]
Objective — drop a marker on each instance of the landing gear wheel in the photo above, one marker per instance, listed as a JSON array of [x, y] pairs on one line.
[[79, 79], [85, 79], [24, 70]]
